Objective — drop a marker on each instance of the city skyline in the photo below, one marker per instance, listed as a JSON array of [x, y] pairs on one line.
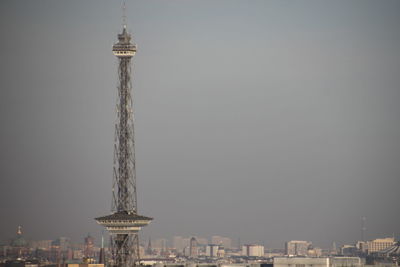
[[266, 121], [181, 243]]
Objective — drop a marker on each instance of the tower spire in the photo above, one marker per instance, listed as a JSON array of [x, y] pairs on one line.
[[19, 230], [102, 254], [124, 14], [149, 248]]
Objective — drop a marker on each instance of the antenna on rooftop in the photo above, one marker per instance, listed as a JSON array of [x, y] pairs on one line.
[[363, 228]]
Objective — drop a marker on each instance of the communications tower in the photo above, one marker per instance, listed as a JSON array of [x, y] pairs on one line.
[[124, 223]]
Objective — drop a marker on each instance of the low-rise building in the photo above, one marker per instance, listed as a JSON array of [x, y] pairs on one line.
[[380, 244], [317, 262]]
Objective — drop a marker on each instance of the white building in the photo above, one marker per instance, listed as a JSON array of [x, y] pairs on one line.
[[317, 262], [253, 250]]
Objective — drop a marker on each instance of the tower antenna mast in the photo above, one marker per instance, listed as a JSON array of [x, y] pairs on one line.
[[363, 228], [124, 14], [124, 223]]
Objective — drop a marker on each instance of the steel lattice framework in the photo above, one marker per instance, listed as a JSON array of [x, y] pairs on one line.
[[124, 175], [124, 223]]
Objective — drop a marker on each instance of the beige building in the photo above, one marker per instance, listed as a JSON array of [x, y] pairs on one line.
[[380, 244], [253, 250], [314, 252], [212, 250]]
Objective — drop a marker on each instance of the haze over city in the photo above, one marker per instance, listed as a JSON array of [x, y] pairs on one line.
[[266, 121]]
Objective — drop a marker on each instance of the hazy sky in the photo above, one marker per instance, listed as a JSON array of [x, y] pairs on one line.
[[264, 120]]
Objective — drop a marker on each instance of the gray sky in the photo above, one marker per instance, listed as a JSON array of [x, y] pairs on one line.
[[264, 120]]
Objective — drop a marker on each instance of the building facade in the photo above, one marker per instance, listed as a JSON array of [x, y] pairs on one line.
[[297, 248], [379, 244], [317, 262], [193, 252], [253, 250], [212, 250]]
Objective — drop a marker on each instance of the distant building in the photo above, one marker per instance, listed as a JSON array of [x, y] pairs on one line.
[[149, 249], [61, 243], [212, 250], [253, 250], [223, 241], [88, 251], [349, 250], [380, 244], [160, 245], [334, 250], [314, 252], [297, 248], [193, 252], [21, 263], [141, 252], [84, 265], [77, 254], [221, 252], [202, 241], [41, 244], [19, 246], [317, 262], [362, 246], [59, 250], [179, 243]]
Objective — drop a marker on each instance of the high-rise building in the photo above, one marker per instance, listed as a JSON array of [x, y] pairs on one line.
[[212, 250], [177, 243], [193, 248], [88, 251], [60, 249], [297, 248], [124, 223]]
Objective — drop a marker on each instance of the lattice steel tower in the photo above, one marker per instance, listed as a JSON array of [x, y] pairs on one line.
[[124, 223]]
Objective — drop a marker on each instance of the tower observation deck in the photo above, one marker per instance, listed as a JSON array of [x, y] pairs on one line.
[[124, 223]]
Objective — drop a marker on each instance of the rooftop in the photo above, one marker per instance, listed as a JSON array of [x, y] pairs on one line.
[[123, 216]]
